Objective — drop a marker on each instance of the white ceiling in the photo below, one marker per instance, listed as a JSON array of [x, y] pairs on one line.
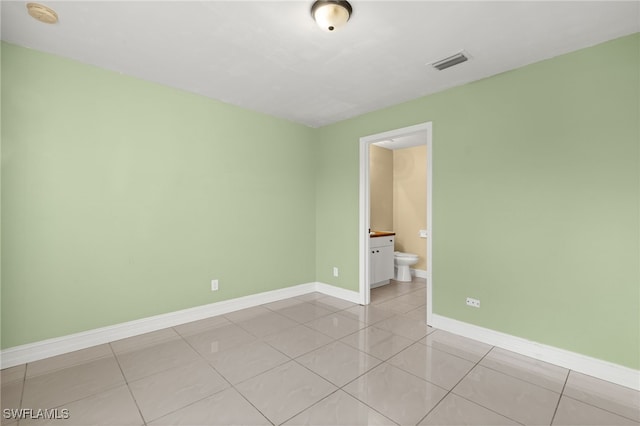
[[270, 56]]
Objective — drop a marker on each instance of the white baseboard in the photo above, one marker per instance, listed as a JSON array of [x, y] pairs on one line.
[[605, 370], [419, 273], [47, 348], [340, 293]]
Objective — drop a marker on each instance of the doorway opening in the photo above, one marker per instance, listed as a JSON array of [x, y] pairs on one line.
[[423, 133]]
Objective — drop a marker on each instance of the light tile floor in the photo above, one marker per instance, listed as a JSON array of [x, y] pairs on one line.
[[315, 360]]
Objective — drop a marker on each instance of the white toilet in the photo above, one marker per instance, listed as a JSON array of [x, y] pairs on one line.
[[402, 262]]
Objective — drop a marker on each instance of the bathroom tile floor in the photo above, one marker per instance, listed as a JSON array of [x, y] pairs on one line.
[[315, 360]]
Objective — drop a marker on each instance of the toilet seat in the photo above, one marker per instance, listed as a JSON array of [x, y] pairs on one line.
[[401, 254]]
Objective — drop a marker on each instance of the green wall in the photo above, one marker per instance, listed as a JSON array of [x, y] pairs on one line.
[[122, 199], [536, 196]]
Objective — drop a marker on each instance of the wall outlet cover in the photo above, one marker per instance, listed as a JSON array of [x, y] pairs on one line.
[[475, 303]]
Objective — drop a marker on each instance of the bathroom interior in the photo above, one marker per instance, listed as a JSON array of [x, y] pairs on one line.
[[398, 215]]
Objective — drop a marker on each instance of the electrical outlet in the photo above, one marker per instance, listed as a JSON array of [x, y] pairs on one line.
[[335, 271], [475, 303], [214, 285]]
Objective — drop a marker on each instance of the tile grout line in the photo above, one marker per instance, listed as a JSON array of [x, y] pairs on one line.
[[366, 372], [250, 403], [595, 406], [530, 383], [521, 379], [473, 402], [503, 372], [340, 388], [296, 320], [24, 385], [376, 366], [422, 378], [261, 340], [58, 369], [126, 381], [312, 405], [358, 399], [246, 399], [602, 409], [566, 379], [89, 396], [304, 353], [252, 377], [403, 317], [561, 393], [327, 380], [335, 391], [106, 389], [456, 384], [271, 369], [357, 348], [279, 365], [478, 364], [232, 386], [328, 335], [239, 324], [387, 299]]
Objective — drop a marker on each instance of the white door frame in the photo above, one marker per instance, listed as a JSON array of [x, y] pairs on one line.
[[365, 219]]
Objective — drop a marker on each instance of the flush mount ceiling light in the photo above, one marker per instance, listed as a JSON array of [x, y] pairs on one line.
[[331, 15], [42, 13]]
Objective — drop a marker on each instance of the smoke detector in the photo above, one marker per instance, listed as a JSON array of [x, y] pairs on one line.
[[42, 13], [450, 61]]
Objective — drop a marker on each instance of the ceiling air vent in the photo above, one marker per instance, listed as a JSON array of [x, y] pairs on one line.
[[445, 63]]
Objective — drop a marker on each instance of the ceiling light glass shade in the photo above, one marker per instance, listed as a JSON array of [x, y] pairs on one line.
[[331, 15]]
